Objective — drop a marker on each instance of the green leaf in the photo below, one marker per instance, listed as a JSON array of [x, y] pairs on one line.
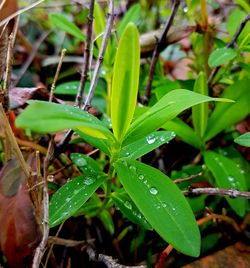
[[145, 145], [243, 140], [200, 111], [46, 117], [162, 204], [183, 131], [225, 115], [221, 56], [61, 22], [125, 81], [99, 29], [102, 144], [86, 164], [71, 196], [167, 108], [107, 221], [132, 15], [129, 209], [228, 175]]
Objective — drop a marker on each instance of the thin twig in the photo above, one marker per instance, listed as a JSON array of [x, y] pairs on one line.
[[230, 45], [67, 242], [233, 193], [107, 260], [188, 178], [87, 55], [42, 246], [105, 40], [12, 16], [58, 69], [157, 50]]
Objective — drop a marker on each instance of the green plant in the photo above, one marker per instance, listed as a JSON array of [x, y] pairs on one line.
[[144, 194]]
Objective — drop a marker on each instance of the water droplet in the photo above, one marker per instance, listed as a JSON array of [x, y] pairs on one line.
[[242, 171], [65, 214], [141, 177], [128, 205], [164, 205], [153, 191], [173, 135], [76, 191], [231, 179], [174, 209], [185, 9], [89, 180], [132, 168], [150, 139], [162, 139], [127, 153], [68, 199], [80, 162]]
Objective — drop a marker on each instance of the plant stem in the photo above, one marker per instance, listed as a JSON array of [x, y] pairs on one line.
[[87, 55], [105, 40]]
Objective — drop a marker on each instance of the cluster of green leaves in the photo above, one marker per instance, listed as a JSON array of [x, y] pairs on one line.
[[142, 193], [148, 195]]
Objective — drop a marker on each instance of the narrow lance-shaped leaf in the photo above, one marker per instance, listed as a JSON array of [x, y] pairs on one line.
[[200, 111], [162, 204], [67, 26], [164, 110], [147, 144], [228, 175], [71, 196], [46, 117], [125, 81]]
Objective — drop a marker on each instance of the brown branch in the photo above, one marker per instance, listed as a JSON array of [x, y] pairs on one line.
[[230, 45], [107, 260], [104, 44], [87, 55], [188, 178], [233, 193], [157, 50]]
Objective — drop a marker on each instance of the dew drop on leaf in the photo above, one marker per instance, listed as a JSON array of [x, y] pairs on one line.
[[80, 162], [89, 180], [141, 177], [150, 139], [153, 191], [128, 205]]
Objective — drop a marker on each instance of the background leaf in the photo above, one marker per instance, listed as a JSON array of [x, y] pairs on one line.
[[125, 81], [129, 209], [200, 111], [71, 196], [162, 204], [225, 114], [221, 56], [61, 22], [228, 175], [132, 15], [243, 140], [183, 131]]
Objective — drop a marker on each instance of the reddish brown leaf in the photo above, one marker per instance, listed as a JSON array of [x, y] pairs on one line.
[[19, 233]]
